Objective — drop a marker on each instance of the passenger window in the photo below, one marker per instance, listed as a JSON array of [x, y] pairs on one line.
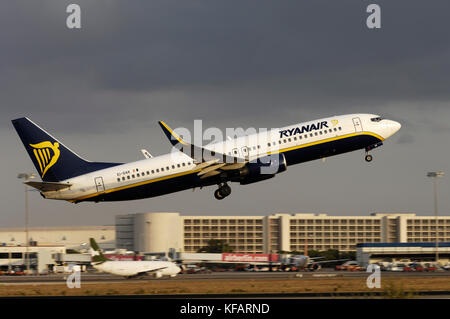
[[340, 128], [295, 138], [279, 142], [173, 166], [320, 132], [157, 170], [123, 178], [167, 167], [178, 165], [299, 137], [259, 146], [153, 171], [118, 179], [289, 139], [284, 141], [137, 175], [162, 169], [148, 173], [306, 135], [335, 129], [311, 134], [268, 144], [128, 176], [183, 164], [133, 176], [315, 133]]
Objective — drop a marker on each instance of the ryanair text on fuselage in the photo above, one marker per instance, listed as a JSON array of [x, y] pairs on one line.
[[303, 129]]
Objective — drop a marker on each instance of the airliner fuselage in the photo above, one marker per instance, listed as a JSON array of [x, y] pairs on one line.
[[177, 170]]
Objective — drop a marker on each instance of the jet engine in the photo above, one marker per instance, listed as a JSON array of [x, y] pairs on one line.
[[262, 168]]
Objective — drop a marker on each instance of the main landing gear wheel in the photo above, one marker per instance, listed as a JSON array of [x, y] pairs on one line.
[[223, 191], [369, 158]]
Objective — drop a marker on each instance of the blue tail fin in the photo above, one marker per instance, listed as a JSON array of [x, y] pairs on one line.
[[53, 161]]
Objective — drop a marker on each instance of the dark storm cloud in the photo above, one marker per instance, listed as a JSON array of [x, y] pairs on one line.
[[313, 53]]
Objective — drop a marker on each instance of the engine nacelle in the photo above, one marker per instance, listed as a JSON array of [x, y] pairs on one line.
[[263, 168]]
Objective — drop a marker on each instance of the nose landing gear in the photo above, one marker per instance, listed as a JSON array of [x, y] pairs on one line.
[[369, 157], [223, 191]]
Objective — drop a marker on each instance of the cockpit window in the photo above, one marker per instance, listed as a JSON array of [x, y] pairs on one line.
[[376, 119]]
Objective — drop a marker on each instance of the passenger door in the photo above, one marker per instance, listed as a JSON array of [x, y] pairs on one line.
[[99, 184], [357, 124]]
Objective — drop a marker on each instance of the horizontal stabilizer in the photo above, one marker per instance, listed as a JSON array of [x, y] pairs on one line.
[[48, 186]]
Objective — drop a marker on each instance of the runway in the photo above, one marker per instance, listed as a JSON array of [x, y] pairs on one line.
[[228, 275]]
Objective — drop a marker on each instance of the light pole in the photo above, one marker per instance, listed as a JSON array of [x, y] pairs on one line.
[[26, 177], [435, 176]]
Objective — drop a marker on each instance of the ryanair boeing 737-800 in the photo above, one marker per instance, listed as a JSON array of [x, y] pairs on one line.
[[246, 159]]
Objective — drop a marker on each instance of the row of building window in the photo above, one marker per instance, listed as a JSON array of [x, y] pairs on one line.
[[429, 227], [328, 228], [223, 221], [334, 221], [428, 221], [189, 235], [223, 228], [335, 234]]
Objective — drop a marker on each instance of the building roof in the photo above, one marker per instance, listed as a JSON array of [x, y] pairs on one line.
[[403, 245], [57, 228]]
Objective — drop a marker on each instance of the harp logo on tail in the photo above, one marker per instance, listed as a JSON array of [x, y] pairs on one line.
[[46, 154]]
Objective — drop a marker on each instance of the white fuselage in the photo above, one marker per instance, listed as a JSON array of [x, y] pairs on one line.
[[176, 163], [133, 268]]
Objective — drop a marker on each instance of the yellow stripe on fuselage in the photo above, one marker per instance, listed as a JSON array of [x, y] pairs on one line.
[[135, 185], [198, 170]]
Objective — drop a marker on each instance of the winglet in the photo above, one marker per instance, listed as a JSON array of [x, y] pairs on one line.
[[173, 138], [97, 255]]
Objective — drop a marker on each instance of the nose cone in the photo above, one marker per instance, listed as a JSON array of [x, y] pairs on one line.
[[395, 126], [390, 128]]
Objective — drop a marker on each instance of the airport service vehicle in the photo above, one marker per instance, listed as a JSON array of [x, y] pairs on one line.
[[396, 267], [245, 159], [348, 265], [131, 269], [415, 266]]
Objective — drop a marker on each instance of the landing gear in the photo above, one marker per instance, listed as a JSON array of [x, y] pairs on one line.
[[223, 191], [369, 157]]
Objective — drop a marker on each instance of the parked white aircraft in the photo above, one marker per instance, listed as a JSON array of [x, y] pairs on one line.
[[131, 269], [310, 263], [246, 160]]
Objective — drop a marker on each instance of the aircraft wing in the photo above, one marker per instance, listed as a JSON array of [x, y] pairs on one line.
[[211, 163], [150, 271], [328, 261], [48, 186]]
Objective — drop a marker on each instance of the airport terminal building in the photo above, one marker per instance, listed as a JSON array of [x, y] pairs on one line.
[[166, 231]]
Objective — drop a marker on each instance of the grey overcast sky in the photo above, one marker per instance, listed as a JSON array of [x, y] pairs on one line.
[[102, 89]]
